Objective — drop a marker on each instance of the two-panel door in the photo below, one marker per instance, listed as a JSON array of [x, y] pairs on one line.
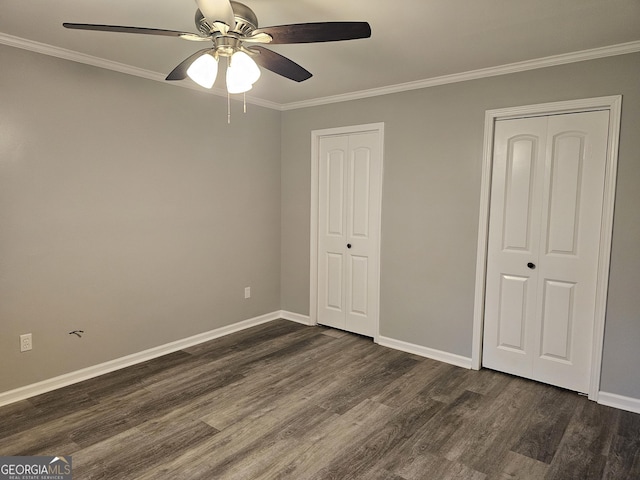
[[348, 231], [544, 238]]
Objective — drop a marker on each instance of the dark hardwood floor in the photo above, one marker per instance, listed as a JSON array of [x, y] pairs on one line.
[[285, 401]]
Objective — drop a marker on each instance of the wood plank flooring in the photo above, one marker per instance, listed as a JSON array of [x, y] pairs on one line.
[[285, 401]]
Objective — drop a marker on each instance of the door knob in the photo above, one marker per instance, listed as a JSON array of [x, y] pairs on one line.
[[348, 245], [531, 265]]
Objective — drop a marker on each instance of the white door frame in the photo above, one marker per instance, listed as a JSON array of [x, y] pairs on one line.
[[613, 104], [313, 256]]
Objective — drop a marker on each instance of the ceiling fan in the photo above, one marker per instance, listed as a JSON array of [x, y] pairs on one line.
[[232, 27]]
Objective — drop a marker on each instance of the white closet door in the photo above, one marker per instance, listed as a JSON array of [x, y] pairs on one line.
[[544, 239], [348, 231]]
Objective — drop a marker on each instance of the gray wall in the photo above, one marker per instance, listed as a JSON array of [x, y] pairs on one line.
[[128, 209], [431, 191], [117, 216]]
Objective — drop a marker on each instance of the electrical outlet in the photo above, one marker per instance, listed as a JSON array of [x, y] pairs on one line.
[[247, 292], [26, 342]]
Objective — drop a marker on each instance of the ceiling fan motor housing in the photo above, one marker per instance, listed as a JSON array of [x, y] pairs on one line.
[[246, 20]]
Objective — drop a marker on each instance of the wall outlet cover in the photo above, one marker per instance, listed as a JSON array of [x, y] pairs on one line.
[[26, 342]]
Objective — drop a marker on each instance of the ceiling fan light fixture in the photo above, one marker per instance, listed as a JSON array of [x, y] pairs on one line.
[[204, 70], [244, 67]]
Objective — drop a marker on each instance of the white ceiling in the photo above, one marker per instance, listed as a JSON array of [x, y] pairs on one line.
[[412, 40]]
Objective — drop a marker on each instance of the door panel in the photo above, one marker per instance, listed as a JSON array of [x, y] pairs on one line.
[[557, 320], [521, 156], [335, 192], [566, 175], [359, 285], [331, 231], [360, 188], [334, 281], [363, 219], [575, 165], [514, 227], [512, 313], [543, 247]]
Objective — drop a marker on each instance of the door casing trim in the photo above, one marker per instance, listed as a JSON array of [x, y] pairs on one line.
[[614, 105], [316, 135]]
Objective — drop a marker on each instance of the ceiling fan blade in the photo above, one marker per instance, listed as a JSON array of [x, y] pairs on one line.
[[141, 30], [217, 11], [316, 32], [180, 72], [278, 64]]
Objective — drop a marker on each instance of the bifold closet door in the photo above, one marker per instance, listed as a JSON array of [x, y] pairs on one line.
[[348, 231], [543, 247]]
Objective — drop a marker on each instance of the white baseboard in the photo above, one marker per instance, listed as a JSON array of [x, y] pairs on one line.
[[452, 358], [629, 404], [296, 317], [604, 398], [54, 383]]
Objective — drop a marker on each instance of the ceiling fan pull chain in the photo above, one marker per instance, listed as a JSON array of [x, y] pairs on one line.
[[228, 108], [244, 98]]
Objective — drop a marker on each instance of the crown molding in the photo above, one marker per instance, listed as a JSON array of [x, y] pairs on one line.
[[592, 54], [580, 56], [74, 56]]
